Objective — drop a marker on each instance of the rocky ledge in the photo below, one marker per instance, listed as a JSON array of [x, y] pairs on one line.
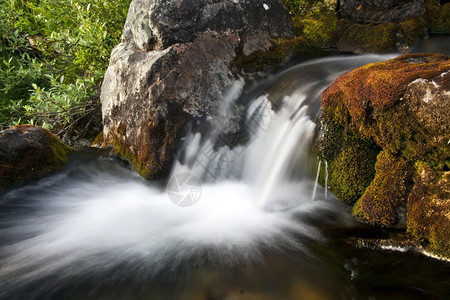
[[385, 133]]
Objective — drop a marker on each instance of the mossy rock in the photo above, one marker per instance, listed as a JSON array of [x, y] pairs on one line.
[[370, 89], [352, 170], [399, 108], [429, 209], [27, 152], [323, 29], [437, 17], [282, 49], [382, 38], [152, 154], [386, 194], [350, 161]]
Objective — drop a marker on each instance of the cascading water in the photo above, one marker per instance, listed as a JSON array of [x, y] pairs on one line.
[[97, 230]]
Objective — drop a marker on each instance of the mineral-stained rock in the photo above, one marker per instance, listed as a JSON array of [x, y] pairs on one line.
[[174, 63], [27, 152], [400, 108]]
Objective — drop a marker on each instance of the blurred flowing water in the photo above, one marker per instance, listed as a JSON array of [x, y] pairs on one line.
[[250, 230]]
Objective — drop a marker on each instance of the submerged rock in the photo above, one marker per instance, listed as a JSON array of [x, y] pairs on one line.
[[27, 152], [174, 63], [395, 114]]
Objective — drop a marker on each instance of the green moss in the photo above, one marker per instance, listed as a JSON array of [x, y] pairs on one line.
[[279, 52], [350, 158], [59, 152], [386, 193], [43, 154], [323, 29], [437, 17], [99, 140], [364, 38], [382, 38], [379, 103], [297, 25], [429, 209], [152, 152], [412, 30], [140, 155], [352, 170]]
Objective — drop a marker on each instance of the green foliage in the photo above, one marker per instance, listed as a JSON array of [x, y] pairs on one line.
[[53, 55], [61, 103]]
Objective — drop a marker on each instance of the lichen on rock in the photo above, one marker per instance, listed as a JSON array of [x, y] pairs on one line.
[[401, 107], [27, 152]]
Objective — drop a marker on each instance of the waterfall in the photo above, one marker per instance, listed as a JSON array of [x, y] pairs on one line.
[[251, 197]]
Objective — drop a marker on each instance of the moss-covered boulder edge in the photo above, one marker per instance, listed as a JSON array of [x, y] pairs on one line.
[[319, 25], [27, 152], [385, 134]]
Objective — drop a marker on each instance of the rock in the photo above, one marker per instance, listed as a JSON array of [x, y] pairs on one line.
[[395, 113], [438, 16], [174, 63], [381, 26], [429, 209], [380, 11], [382, 38], [27, 152]]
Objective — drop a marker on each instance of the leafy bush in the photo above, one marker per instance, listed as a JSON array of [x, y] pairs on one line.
[[53, 55]]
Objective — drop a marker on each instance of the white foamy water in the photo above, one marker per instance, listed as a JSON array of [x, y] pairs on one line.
[[97, 217]]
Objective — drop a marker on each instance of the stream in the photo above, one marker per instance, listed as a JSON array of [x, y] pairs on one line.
[[239, 217]]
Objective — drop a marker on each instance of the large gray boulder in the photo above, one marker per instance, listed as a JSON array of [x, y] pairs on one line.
[[173, 65]]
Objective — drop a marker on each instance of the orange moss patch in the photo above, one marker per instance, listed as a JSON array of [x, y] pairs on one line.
[[381, 84]]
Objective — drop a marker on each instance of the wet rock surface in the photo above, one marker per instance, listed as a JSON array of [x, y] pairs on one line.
[[175, 62]]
